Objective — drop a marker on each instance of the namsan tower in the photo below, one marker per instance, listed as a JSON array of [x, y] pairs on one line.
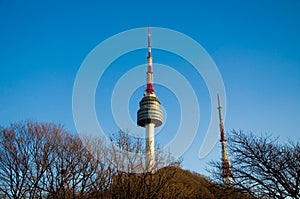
[[226, 173], [149, 115]]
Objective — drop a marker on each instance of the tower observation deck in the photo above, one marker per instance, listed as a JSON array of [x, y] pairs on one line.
[[149, 111], [149, 115]]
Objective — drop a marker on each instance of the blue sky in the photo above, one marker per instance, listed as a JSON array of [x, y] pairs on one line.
[[255, 45]]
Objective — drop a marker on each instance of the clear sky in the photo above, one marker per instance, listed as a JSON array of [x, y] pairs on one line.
[[255, 45]]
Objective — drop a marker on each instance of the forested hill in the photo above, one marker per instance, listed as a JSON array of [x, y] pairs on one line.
[[170, 182], [42, 160]]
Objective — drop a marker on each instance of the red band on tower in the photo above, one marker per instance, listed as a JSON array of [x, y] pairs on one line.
[[149, 88]]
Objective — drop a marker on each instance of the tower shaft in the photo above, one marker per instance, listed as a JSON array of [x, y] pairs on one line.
[[150, 155], [226, 173]]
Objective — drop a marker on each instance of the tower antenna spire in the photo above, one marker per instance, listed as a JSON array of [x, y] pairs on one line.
[[149, 88], [226, 173], [221, 121], [149, 42]]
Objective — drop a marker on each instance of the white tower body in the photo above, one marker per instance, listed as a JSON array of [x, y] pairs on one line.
[[150, 156], [149, 115]]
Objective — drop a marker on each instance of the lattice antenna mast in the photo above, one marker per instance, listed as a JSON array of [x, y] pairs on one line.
[[226, 172]]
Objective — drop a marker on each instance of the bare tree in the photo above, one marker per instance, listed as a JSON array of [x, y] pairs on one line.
[[68, 175], [42, 160], [263, 167], [42, 145], [98, 174], [14, 161], [25, 155], [130, 177]]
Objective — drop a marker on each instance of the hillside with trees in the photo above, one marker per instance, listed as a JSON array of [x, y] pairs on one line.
[[42, 160]]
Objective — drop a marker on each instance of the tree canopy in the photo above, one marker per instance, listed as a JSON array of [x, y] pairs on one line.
[[42, 160], [262, 166]]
